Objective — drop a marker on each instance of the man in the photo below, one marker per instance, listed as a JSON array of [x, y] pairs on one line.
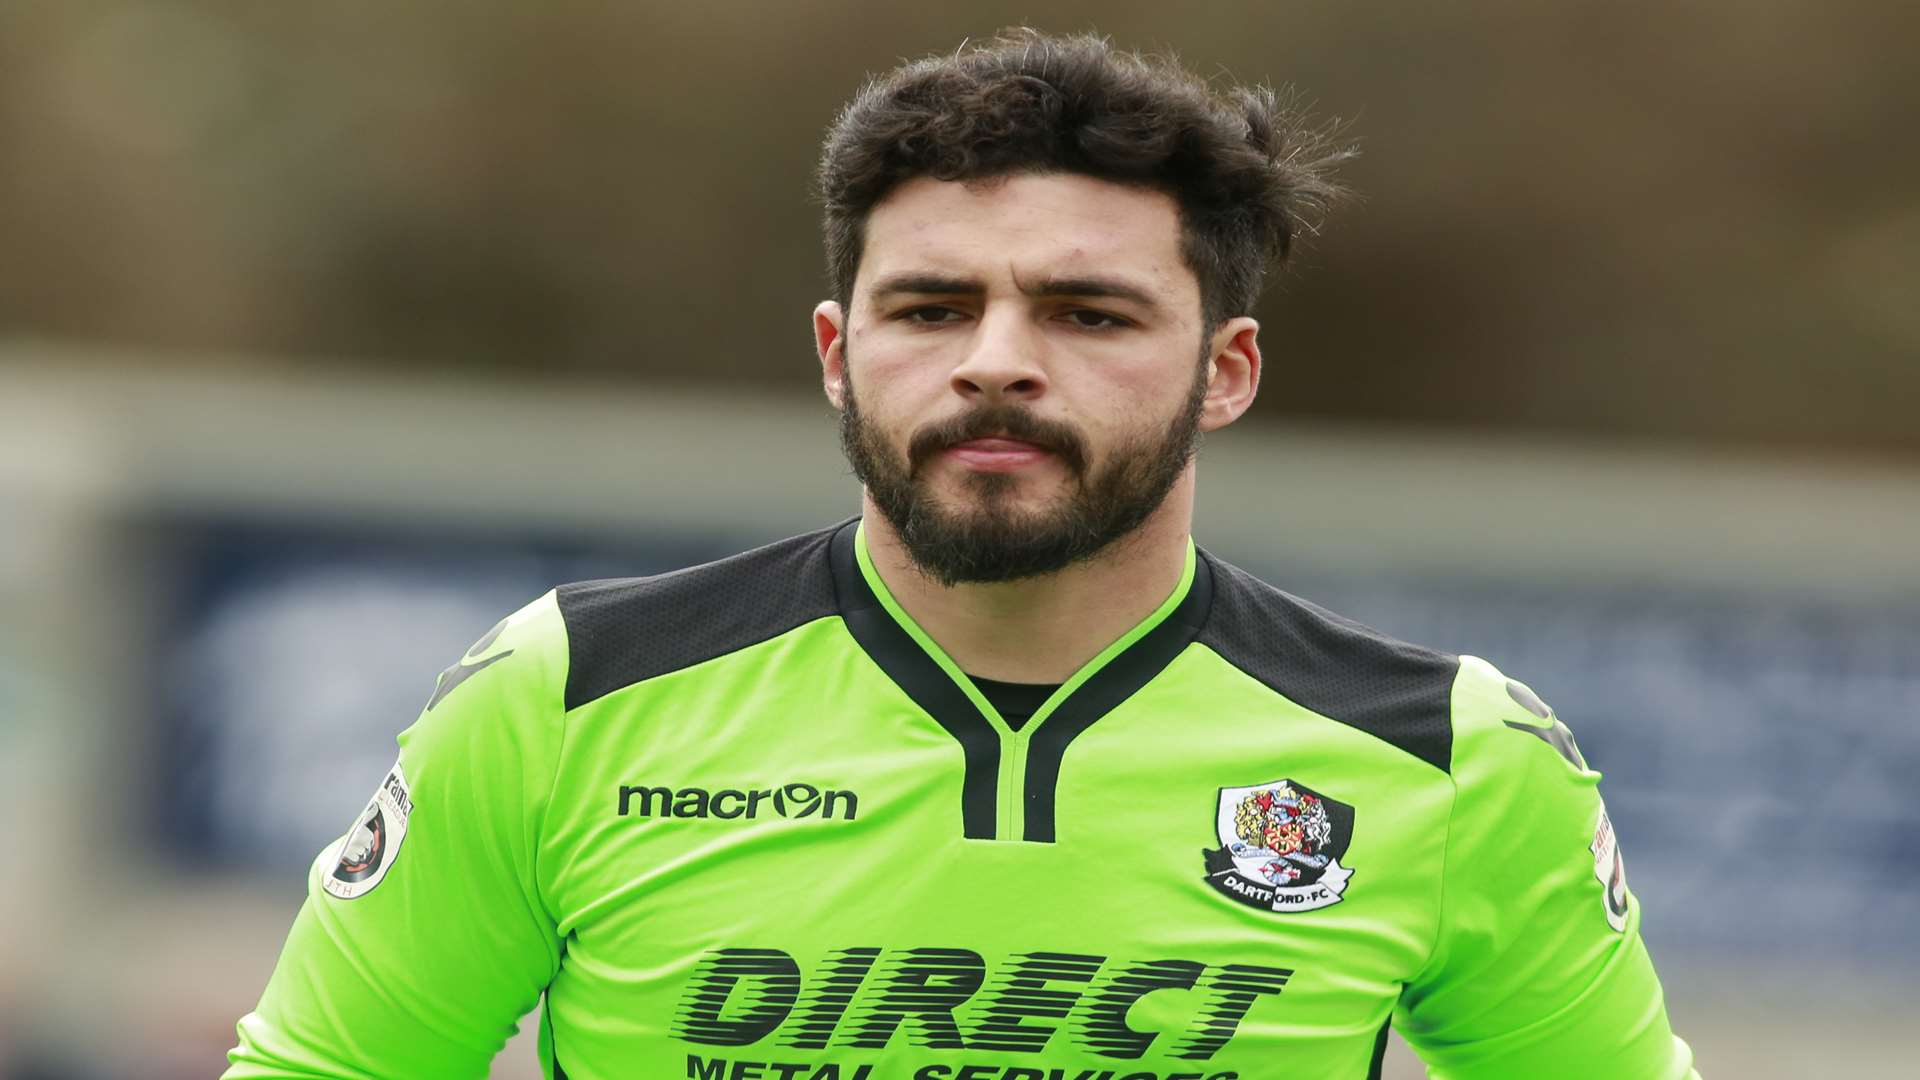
[[1004, 780]]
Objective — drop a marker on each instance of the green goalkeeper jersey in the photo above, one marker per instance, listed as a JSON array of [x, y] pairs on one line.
[[747, 822]]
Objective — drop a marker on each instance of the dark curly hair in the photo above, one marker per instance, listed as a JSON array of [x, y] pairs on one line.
[[1248, 171]]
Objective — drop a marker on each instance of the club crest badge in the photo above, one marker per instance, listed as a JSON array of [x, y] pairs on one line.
[[1280, 847], [363, 856]]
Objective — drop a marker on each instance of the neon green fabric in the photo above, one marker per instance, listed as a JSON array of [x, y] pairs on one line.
[[757, 865], [1523, 980], [426, 973]]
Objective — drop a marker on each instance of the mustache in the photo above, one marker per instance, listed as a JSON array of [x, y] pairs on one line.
[[988, 421]]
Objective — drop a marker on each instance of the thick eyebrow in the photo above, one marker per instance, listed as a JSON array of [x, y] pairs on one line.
[[925, 284], [920, 284], [1092, 286]]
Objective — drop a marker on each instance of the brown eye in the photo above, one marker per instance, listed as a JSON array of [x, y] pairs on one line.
[[930, 316], [1088, 319]]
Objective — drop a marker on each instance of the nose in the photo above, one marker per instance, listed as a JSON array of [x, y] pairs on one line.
[[1004, 361]]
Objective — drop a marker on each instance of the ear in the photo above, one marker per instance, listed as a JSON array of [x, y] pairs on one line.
[[829, 340], [1233, 373]]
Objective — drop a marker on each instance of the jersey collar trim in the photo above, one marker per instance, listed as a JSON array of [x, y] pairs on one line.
[[914, 671], [921, 669]]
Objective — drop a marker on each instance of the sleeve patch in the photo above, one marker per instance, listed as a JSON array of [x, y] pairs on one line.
[[363, 856], [1611, 869]]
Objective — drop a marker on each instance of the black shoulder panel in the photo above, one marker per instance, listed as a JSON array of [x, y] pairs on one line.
[[1400, 693], [621, 631]]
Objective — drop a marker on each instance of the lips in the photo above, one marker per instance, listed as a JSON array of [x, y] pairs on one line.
[[998, 444], [997, 438], [997, 454]]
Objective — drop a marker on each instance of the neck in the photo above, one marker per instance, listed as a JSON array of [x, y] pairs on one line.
[[1042, 630]]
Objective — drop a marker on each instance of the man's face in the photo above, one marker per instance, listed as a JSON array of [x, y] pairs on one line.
[[1023, 369]]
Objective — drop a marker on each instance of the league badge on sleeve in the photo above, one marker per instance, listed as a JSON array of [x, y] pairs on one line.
[[1611, 869], [366, 853], [1280, 847]]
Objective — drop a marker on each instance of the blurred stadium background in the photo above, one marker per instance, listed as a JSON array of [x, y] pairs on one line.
[[329, 333]]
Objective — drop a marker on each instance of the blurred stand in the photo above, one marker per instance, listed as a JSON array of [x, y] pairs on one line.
[[222, 595], [1630, 217]]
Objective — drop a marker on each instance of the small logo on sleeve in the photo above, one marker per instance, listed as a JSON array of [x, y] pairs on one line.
[[469, 665], [1280, 847], [363, 856]]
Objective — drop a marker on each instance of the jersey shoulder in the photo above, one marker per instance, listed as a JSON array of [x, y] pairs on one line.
[[1398, 692], [522, 657], [622, 631], [1492, 712]]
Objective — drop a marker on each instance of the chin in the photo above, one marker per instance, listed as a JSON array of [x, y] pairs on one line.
[[999, 496]]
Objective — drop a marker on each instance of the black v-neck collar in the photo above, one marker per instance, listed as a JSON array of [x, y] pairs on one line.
[[909, 666], [923, 680], [1016, 702], [1119, 680]]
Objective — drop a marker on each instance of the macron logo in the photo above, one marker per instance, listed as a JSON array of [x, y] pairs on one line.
[[787, 801]]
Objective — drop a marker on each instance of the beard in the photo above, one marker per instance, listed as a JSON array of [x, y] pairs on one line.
[[988, 537]]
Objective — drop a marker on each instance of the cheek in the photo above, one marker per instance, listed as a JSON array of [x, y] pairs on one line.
[[897, 389], [883, 416], [1130, 404]]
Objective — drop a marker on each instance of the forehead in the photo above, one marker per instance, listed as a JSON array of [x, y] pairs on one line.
[[1045, 225]]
